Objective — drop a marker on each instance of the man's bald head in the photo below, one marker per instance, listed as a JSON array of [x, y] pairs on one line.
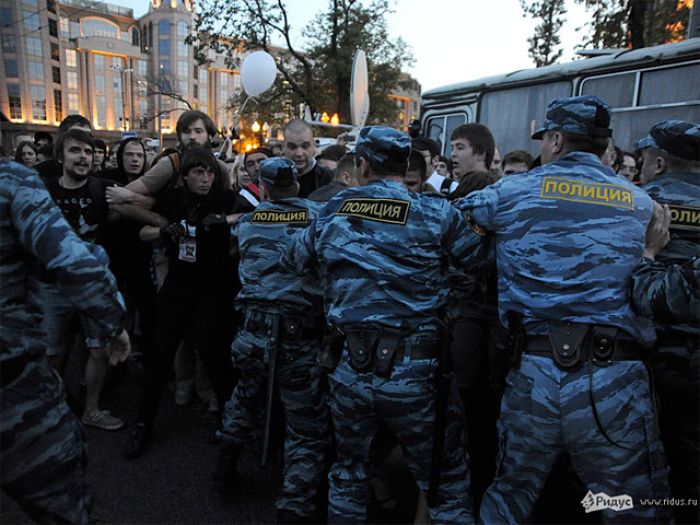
[[299, 145]]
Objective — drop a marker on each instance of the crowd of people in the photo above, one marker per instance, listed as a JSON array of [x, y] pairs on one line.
[[478, 316]]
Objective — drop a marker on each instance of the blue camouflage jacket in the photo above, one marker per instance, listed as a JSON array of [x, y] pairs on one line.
[[33, 230], [681, 191], [568, 235], [262, 237], [382, 254]]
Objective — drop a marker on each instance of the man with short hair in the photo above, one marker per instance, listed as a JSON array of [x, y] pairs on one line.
[[42, 445], [430, 150], [382, 255], [42, 138], [283, 324], [516, 161], [251, 163], [98, 157], [415, 178], [472, 149], [346, 176], [331, 155], [80, 196], [300, 147], [670, 174], [568, 235]]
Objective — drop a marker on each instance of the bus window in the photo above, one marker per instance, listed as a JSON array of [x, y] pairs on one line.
[[512, 114], [616, 90], [656, 83], [440, 129]]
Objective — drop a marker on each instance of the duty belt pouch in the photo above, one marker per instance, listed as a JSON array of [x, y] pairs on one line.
[[568, 342], [603, 344], [331, 348], [386, 350], [361, 345]]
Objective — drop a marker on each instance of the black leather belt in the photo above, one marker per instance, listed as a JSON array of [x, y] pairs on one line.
[[421, 350], [624, 349], [291, 327]]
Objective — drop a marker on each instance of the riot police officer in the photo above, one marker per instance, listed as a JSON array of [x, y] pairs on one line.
[[568, 235], [670, 173], [278, 345], [382, 255]]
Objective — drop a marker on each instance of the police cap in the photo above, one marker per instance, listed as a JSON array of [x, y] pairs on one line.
[[279, 172], [385, 147], [676, 137], [588, 116]]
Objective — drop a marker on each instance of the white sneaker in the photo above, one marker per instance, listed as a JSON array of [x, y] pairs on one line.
[[101, 419]]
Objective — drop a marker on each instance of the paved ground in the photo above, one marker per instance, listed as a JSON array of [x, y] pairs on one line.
[[171, 483]]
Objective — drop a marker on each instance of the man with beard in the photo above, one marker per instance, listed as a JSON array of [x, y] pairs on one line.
[[80, 197]]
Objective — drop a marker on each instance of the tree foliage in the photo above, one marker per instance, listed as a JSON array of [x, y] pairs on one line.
[[317, 71], [543, 43], [635, 23], [613, 24]]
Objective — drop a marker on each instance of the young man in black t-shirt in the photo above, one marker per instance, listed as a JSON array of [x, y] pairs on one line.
[[81, 199], [197, 295]]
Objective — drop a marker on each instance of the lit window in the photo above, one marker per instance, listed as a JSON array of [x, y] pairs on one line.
[[64, 25], [38, 102], [15, 99], [57, 105], [73, 104], [71, 58], [55, 53]]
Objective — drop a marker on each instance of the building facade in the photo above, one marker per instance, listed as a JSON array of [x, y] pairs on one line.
[[124, 74], [96, 59]]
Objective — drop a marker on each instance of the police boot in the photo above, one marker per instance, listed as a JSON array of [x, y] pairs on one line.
[[138, 441], [225, 470]]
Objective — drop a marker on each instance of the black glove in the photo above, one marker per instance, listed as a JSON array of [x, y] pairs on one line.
[[214, 220], [172, 232]]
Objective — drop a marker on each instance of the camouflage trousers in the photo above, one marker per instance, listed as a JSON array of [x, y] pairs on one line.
[[298, 381], [676, 370], [406, 403], [43, 452], [546, 411]]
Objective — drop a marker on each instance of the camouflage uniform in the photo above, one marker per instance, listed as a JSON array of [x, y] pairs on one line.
[[676, 360], [567, 237], [382, 253], [268, 290], [42, 443]]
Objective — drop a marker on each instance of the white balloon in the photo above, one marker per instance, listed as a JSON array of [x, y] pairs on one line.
[[258, 73]]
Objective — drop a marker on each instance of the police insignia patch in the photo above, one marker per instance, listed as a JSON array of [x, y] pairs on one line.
[[474, 226], [300, 216], [393, 211], [587, 192], [685, 218]]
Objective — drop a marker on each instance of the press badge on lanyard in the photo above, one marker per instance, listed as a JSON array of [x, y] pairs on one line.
[[188, 243]]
